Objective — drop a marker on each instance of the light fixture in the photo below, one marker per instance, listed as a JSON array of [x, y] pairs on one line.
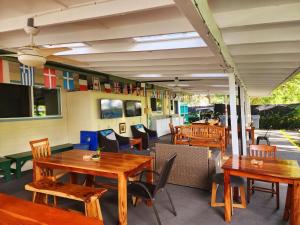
[[165, 37], [150, 75]]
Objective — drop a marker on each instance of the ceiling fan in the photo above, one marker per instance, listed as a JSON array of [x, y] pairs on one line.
[[33, 55], [176, 85]]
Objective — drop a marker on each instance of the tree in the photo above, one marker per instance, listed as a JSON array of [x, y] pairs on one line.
[[287, 93]]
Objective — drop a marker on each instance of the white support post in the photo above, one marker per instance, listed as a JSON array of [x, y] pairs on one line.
[[233, 115], [243, 120], [248, 110], [226, 112]]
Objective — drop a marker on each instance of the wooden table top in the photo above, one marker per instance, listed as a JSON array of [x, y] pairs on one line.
[[113, 163], [14, 211], [287, 169]]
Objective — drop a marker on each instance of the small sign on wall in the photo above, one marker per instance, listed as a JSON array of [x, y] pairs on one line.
[[122, 128]]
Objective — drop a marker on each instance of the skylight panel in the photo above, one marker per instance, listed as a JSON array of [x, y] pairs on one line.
[[165, 37]]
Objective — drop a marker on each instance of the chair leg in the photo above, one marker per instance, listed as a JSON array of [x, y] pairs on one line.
[[173, 207], [156, 213], [277, 196], [272, 190], [243, 196], [213, 195], [54, 201], [248, 190], [92, 208]]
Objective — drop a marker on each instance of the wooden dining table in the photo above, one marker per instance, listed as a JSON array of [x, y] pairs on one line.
[[112, 165], [15, 211], [272, 170]]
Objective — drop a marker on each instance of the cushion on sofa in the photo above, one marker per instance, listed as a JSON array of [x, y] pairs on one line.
[[111, 136], [106, 132]]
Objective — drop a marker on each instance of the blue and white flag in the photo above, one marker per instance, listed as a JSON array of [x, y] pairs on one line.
[[27, 75], [68, 80]]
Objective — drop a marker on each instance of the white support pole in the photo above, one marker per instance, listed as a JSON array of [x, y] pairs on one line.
[[243, 120], [248, 109], [233, 115], [226, 112]]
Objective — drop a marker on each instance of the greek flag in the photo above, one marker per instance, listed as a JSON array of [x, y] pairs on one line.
[[27, 75]]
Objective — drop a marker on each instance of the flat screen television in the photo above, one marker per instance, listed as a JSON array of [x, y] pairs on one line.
[[111, 108], [153, 104], [133, 108], [14, 101]]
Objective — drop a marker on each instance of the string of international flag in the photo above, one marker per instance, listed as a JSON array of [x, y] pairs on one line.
[[84, 82]]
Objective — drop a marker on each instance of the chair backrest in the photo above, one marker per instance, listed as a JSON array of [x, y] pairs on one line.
[[172, 129], [41, 149], [165, 173], [263, 151]]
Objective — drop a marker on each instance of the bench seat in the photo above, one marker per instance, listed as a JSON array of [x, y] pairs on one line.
[[21, 158], [88, 195]]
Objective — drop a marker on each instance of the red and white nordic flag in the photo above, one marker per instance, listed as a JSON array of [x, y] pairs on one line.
[[83, 84], [4, 71], [117, 87], [49, 78], [107, 88], [96, 83]]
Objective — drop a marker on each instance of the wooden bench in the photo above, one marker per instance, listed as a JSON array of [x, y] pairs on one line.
[[5, 168], [89, 195], [15, 211], [208, 136], [21, 158]]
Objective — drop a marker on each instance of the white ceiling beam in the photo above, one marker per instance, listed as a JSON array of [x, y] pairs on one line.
[[175, 72], [203, 22], [265, 48], [262, 34], [269, 65], [263, 70], [159, 68], [284, 57], [149, 23], [84, 12], [147, 55], [276, 13], [155, 62]]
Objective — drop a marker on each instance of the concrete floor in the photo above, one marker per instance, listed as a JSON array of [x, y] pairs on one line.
[[192, 204]]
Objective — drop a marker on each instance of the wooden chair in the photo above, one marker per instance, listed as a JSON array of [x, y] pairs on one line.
[[40, 149], [263, 151], [235, 181], [172, 131], [88, 195], [183, 136]]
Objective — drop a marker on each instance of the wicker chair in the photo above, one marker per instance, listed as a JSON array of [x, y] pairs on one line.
[[149, 137]]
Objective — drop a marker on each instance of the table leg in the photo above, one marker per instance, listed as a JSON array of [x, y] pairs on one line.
[[287, 207], [150, 179], [73, 178], [227, 196], [295, 206], [18, 169], [122, 198]]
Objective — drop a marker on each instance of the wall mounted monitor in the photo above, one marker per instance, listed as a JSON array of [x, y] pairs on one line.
[[15, 101], [176, 107], [133, 108], [111, 108], [153, 104]]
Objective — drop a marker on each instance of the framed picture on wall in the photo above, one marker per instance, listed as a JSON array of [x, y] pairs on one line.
[[122, 128]]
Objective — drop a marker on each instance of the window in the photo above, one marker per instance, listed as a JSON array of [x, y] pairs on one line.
[[18, 101], [46, 102]]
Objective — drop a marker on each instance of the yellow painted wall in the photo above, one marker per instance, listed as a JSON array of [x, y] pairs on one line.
[[84, 113], [80, 111]]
